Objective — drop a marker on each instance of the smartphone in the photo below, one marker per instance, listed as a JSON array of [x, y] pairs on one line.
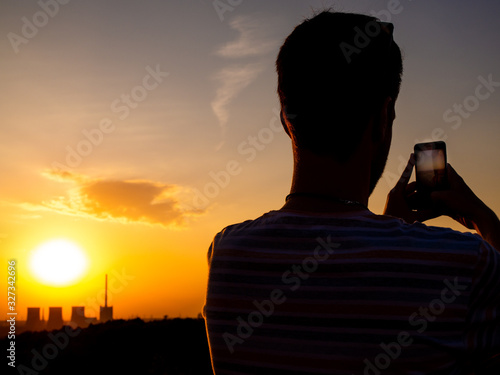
[[430, 164]]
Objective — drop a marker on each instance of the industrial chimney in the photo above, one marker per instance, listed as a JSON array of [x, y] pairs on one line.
[[106, 313]]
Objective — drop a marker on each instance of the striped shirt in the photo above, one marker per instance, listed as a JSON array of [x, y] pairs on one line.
[[354, 293]]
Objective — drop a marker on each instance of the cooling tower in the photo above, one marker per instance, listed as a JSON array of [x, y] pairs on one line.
[[78, 316], [55, 318], [33, 322]]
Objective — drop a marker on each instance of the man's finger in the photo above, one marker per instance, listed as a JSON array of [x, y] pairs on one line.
[[405, 177], [426, 214], [411, 188]]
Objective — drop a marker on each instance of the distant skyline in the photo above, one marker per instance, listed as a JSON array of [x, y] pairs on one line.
[[138, 130]]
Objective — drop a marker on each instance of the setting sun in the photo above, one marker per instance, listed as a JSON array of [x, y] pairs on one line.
[[58, 263]]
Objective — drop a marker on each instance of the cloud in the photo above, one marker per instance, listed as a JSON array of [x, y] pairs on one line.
[[63, 176], [126, 201], [253, 39], [232, 81]]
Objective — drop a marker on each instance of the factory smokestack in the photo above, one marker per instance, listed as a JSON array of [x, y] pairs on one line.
[[106, 292], [106, 312]]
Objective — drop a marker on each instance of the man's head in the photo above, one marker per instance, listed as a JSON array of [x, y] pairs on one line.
[[335, 72]]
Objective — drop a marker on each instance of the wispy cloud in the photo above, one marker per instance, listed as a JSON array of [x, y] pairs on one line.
[[253, 38], [126, 201], [232, 81], [254, 41]]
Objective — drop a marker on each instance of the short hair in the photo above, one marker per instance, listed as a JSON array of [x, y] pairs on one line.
[[334, 71]]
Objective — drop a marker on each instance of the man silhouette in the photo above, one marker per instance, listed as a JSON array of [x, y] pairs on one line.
[[323, 285]]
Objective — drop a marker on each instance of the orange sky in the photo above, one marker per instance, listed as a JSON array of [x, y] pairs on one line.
[[138, 130]]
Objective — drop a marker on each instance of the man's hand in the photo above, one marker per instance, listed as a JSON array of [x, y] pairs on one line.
[[458, 202], [403, 197]]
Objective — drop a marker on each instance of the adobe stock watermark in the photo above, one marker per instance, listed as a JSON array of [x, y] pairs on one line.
[[116, 284], [59, 341], [31, 26], [455, 115], [249, 149], [419, 319], [362, 38], [293, 277], [122, 107], [224, 6], [471, 103]]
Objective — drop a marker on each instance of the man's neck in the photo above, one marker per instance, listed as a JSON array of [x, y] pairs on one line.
[[324, 177]]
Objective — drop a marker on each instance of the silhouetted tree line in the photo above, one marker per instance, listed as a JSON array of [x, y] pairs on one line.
[[164, 347]]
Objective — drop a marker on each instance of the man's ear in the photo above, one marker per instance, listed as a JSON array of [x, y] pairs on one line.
[[283, 122], [382, 123]]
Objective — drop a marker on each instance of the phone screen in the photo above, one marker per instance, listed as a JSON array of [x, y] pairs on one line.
[[431, 166]]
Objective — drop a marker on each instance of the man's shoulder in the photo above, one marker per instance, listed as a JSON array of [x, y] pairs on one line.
[[364, 221], [447, 233], [292, 232], [441, 236], [244, 226]]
